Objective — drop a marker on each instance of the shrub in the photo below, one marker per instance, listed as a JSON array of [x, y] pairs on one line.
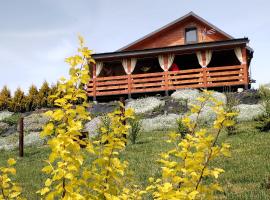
[[231, 106], [186, 173], [5, 98], [18, 101], [135, 128]]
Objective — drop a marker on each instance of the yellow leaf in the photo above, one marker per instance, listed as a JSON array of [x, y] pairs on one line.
[[48, 182], [11, 161]]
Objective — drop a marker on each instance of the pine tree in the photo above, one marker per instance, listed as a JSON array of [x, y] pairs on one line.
[[18, 101], [44, 92], [5, 98], [53, 91], [32, 98]]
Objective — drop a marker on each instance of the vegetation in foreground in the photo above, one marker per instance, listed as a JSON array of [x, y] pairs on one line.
[[247, 170]]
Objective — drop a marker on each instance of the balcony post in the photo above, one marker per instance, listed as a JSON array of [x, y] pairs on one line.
[[204, 77], [129, 85], [244, 65], [166, 81], [94, 83]]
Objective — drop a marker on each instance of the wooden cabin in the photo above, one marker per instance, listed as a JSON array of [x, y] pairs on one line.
[[186, 53]]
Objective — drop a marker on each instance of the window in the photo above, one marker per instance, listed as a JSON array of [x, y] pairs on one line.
[[191, 35]]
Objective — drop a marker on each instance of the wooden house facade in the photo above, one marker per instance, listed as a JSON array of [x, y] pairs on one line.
[[187, 53]]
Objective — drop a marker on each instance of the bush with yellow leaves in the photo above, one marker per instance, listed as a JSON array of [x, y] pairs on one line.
[[9, 189], [186, 169]]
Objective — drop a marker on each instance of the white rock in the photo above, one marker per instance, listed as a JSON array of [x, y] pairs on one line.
[[161, 122], [145, 105], [35, 122], [3, 127], [5, 114], [249, 112], [92, 126], [189, 94]]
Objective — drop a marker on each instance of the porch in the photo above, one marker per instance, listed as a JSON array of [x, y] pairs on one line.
[[208, 65], [166, 81]]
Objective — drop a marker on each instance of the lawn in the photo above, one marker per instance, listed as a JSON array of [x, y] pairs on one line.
[[246, 169]]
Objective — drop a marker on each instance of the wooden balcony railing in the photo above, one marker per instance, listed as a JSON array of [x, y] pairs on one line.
[[162, 81]]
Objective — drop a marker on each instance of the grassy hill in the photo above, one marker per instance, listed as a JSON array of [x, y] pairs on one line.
[[245, 171]]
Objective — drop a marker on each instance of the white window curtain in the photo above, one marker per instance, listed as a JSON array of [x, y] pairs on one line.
[[208, 57], [161, 60], [99, 66], [125, 63], [133, 62], [199, 57], [238, 53]]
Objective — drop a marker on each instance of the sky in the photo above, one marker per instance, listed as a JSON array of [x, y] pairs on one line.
[[37, 35]]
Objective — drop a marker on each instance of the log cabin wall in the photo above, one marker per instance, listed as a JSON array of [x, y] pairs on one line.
[[175, 35]]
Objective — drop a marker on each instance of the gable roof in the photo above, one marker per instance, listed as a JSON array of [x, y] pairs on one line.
[[190, 14]]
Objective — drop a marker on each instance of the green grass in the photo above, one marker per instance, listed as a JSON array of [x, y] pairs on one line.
[[246, 169]]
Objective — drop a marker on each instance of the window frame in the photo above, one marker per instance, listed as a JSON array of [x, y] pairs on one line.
[[197, 35]]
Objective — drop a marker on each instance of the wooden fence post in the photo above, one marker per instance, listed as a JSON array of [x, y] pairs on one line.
[[122, 109], [21, 136]]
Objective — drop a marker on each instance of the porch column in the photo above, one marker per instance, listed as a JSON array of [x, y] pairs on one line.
[[204, 58], [166, 62], [129, 66], [244, 65], [94, 83]]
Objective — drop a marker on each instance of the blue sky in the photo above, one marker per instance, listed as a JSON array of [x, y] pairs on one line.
[[36, 35]]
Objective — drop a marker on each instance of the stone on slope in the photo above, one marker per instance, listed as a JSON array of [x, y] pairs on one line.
[[145, 105], [161, 122], [249, 112], [5, 114], [35, 122], [189, 94], [92, 126]]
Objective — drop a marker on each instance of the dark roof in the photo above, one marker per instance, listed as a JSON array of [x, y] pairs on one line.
[[175, 22], [173, 49]]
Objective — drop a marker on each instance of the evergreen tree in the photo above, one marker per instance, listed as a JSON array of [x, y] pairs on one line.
[[18, 101], [5, 98], [44, 92], [32, 98], [53, 91]]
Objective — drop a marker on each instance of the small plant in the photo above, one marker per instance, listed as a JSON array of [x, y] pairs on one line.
[[263, 121], [135, 129], [266, 183], [181, 127], [12, 120], [230, 106]]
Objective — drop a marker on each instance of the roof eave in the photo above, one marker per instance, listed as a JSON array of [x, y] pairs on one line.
[[172, 49]]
